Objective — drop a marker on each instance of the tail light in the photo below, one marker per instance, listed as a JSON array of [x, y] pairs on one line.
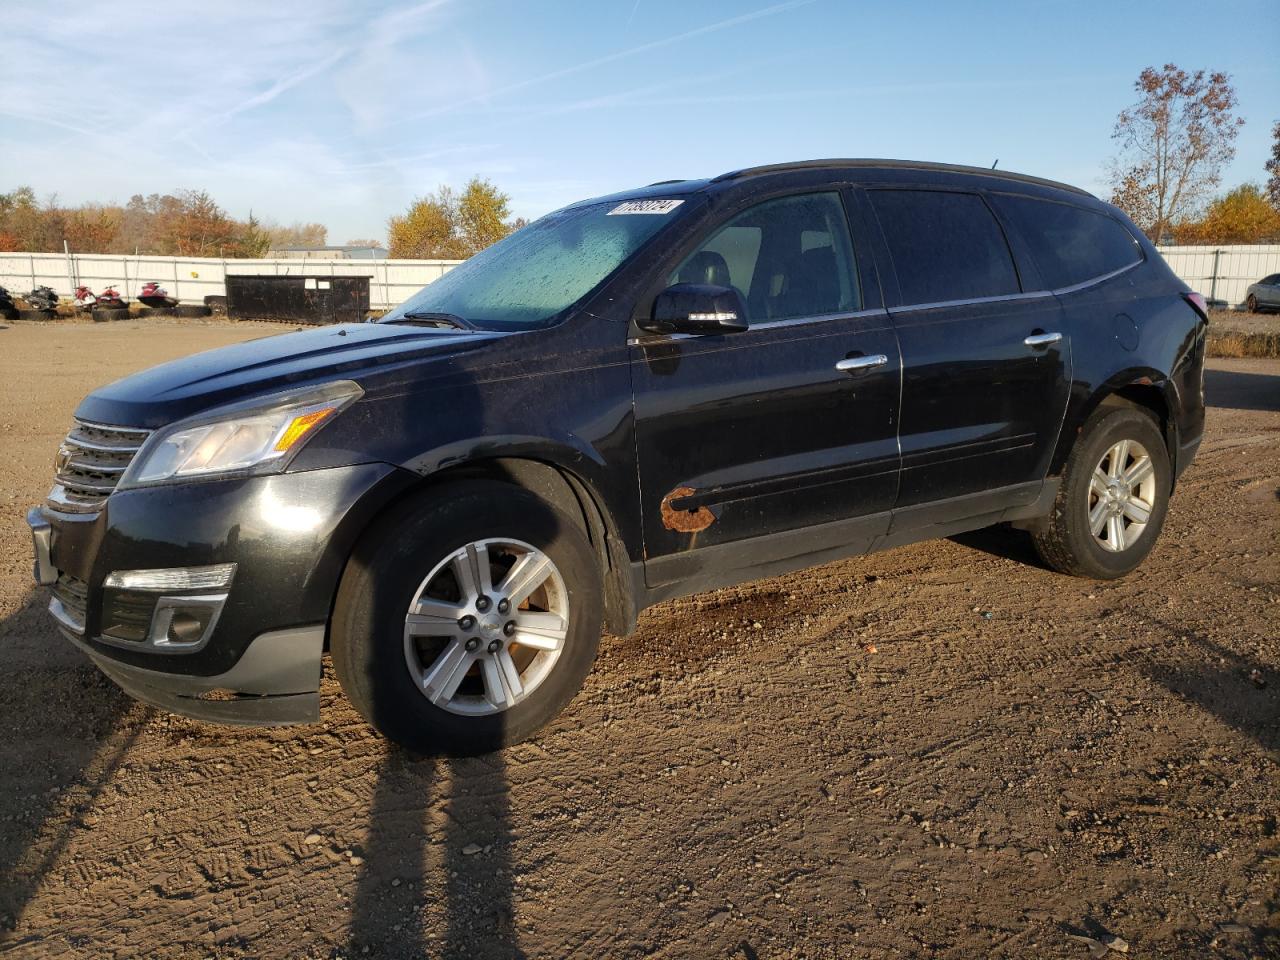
[[1197, 301]]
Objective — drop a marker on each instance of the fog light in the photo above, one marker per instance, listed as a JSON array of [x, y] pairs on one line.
[[183, 624], [216, 577], [187, 627]]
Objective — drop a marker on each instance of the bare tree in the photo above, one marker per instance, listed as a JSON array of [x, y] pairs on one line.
[[1174, 142]]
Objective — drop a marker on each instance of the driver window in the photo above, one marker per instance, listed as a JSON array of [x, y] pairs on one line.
[[788, 258]]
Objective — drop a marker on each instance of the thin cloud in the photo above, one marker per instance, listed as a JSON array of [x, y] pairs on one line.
[[614, 57], [266, 96]]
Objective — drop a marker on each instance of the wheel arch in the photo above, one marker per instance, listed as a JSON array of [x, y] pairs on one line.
[[570, 492], [1146, 390]]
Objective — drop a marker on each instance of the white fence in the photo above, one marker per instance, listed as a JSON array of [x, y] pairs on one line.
[[1221, 273], [191, 279]]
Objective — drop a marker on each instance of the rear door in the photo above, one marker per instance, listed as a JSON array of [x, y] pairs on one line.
[[748, 441], [986, 365]]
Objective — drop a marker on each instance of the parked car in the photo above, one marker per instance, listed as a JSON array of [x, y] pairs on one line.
[[639, 397], [1264, 295]]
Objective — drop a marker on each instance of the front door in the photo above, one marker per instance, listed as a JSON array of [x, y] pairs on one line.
[[747, 441], [986, 366]]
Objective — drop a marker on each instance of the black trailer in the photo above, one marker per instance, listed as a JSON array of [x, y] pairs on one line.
[[298, 299]]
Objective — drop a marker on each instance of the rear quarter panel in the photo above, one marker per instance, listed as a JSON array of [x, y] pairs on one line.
[[1135, 329]]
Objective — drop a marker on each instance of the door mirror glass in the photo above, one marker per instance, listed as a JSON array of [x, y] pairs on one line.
[[697, 308]]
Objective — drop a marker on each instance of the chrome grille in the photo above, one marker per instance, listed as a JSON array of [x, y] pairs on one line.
[[90, 463]]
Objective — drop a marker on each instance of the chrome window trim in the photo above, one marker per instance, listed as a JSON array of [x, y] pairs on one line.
[[1026, 295], [886, 311], [659, 338], [1100, 279], [970, 301]]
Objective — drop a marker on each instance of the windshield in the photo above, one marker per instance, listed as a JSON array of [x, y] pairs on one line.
[[538, 272]]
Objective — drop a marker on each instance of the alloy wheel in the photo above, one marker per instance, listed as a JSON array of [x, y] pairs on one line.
[[1122, 494], [486, 627]]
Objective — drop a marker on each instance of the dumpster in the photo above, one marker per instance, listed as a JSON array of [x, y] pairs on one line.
[[298, 299]]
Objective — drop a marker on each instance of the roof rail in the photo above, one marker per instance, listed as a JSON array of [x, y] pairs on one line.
[[837, 164]]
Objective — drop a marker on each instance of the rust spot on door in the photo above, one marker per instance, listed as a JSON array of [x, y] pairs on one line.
[[684, 521]]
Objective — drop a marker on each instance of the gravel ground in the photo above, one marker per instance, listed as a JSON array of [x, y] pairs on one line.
[[940, 751]]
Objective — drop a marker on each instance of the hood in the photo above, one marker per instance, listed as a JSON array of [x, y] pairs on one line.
[[183, 388]]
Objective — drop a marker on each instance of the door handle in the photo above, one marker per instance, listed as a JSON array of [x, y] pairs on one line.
[[1042, 339], [854, 364]]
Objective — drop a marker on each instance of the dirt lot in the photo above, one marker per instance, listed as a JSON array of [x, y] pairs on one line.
[[942, 751]]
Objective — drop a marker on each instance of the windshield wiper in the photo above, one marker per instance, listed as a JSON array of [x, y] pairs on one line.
[[425, 318]]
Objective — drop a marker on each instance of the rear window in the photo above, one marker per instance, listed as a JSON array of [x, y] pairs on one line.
[[945, 246], [1070, 245]]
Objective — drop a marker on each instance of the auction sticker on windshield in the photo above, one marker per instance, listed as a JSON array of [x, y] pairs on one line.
[[660, 207]]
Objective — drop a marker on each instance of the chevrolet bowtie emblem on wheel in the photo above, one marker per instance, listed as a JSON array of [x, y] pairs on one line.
[[62, 459]]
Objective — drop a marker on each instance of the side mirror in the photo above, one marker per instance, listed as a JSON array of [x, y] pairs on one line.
[[697, 308]]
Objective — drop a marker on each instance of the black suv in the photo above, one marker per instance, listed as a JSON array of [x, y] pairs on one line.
[[635, 398]]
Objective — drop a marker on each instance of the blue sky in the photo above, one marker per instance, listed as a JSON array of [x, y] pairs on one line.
[[342, 112]]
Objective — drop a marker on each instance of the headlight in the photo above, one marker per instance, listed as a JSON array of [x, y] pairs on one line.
[[257, 436]]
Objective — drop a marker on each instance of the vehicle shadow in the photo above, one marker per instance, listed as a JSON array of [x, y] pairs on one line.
[[1236, 390], [1242, 693], [437, 874], [55, 706], [1002, 541], [438, 853]]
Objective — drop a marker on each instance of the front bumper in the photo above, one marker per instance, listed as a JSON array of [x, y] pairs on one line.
[[288, 537], [277, 681]]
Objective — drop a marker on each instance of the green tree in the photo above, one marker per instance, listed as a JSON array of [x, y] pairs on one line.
[[1175, 140]]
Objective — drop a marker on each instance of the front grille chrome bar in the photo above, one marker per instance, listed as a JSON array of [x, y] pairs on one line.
[[90, 463]]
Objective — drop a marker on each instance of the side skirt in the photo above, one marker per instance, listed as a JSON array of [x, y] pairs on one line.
[[729, 564]]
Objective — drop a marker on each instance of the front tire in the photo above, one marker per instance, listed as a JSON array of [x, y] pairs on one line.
[[467, 619], [1252, 303], [1113, 498]]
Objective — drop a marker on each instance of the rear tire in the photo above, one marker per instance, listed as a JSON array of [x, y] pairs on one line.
[[396, 674], [1113, 498]]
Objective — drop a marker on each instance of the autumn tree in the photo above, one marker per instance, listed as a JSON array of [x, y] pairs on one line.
[[92, 229], [450, 226], [1273, 167], [1241, 216], [1174, 141], [297, 235], [483, 212], [29, 225]]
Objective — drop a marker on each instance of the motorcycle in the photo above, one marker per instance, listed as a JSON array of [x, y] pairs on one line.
[[154, 295], [84, 298], [42, 299], [111, 299]]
